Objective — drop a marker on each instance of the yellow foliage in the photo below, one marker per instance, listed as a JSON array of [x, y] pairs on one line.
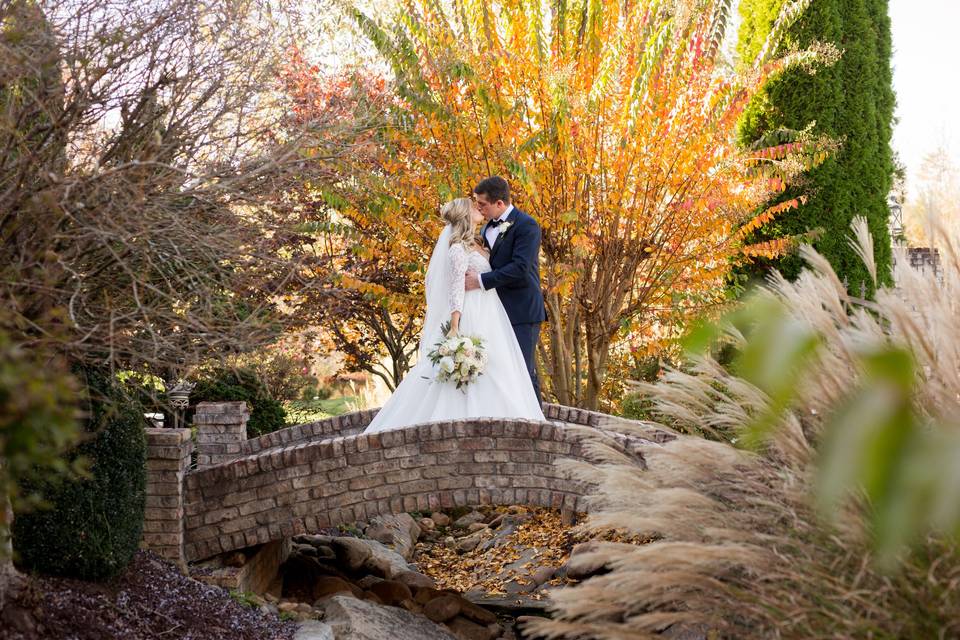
[[617, 133]]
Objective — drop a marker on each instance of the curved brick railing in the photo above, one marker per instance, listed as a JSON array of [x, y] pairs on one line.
[[246, 492], [353, 423], [304, 487]]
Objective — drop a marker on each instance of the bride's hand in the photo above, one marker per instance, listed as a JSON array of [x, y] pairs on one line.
[[454, 324]]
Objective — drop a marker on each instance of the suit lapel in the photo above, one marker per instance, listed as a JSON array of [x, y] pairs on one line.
[[512, 218]]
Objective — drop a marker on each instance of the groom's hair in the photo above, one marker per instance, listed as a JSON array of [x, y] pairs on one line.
[[495, 188]]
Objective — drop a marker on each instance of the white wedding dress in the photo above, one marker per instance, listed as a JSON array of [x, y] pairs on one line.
[[503, 390]]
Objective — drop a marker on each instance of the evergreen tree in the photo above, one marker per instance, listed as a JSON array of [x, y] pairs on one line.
[[852, 102]]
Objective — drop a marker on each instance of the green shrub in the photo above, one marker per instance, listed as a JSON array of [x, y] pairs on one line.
[[315, 392], [635, 406], [266, 413], [851, 102], [93, 525], [37, 424]]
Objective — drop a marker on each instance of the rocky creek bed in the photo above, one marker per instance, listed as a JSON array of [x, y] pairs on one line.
[[470, 574]]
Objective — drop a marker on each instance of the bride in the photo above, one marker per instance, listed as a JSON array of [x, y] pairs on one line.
[[504, 389]]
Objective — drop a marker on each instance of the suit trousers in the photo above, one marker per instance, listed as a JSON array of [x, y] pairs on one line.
[[528, 334]]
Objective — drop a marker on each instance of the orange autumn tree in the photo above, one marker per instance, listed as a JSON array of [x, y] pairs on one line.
[[368, 301], [615, 124]]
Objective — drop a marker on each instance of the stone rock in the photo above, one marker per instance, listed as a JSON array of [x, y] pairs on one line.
[[519, 566], [384, 562], [329, 568], [476, 613], [582, 564], [361, 620], [423, 595], [465, 629], [391, 592], [326, 586], [287, 606], [305, 550], [303, 607], [523, 622], [543, 574], [443, 608], [497, 521], [400, 532], [413, 579], [371, 597], [368, 581], [325, 552], [314, 540], [412, 607], [427, 524], [313, 630], [299, 574], [466, 520], [351, 552], [476, 526], [470, 542], [379, 567], [450, 542], [508, 525], [235, 559], [440, 519], [511, 606]]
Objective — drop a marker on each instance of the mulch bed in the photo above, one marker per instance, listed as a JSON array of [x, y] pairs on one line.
[[150, 599]]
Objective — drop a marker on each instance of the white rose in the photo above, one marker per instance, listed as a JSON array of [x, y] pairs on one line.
[[447, 364], [444, 350]]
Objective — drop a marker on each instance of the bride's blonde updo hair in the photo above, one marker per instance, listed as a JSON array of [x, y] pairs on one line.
[[457, 214]]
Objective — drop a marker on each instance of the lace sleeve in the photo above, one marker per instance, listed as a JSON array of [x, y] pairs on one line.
[[457, 261]]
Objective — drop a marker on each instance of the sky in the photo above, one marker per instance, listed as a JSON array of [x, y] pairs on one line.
[[926, 77]]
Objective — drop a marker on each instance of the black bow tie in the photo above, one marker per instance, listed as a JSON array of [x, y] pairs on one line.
[[496, 223]]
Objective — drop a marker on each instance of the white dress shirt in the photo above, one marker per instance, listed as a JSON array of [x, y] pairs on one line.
[[492, 233]]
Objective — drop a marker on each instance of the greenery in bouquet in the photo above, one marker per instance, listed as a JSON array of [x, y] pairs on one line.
[[459, 359]]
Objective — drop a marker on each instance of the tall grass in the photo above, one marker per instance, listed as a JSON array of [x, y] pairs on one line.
[[836, 523]]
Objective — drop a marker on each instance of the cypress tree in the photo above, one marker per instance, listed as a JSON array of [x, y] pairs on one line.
[[852, 102]]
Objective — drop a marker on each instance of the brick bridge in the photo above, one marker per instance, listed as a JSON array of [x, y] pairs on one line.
[[297, 480]]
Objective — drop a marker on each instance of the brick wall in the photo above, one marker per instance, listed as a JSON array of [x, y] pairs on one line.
[[256, 575], [353, 423], [168, 459], [302, 487], [221, 431]]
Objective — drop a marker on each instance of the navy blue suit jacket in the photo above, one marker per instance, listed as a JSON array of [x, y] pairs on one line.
[[515, 260]]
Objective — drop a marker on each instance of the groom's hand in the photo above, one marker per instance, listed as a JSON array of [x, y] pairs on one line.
[[471, 281]]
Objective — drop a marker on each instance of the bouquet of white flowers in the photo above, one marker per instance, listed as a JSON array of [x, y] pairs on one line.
[[460, 359]]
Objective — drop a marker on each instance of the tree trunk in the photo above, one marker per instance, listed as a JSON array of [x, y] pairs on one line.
[[598, 352], [9, 576]]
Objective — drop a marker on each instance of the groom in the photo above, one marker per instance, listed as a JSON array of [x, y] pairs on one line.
[[513, 238]]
